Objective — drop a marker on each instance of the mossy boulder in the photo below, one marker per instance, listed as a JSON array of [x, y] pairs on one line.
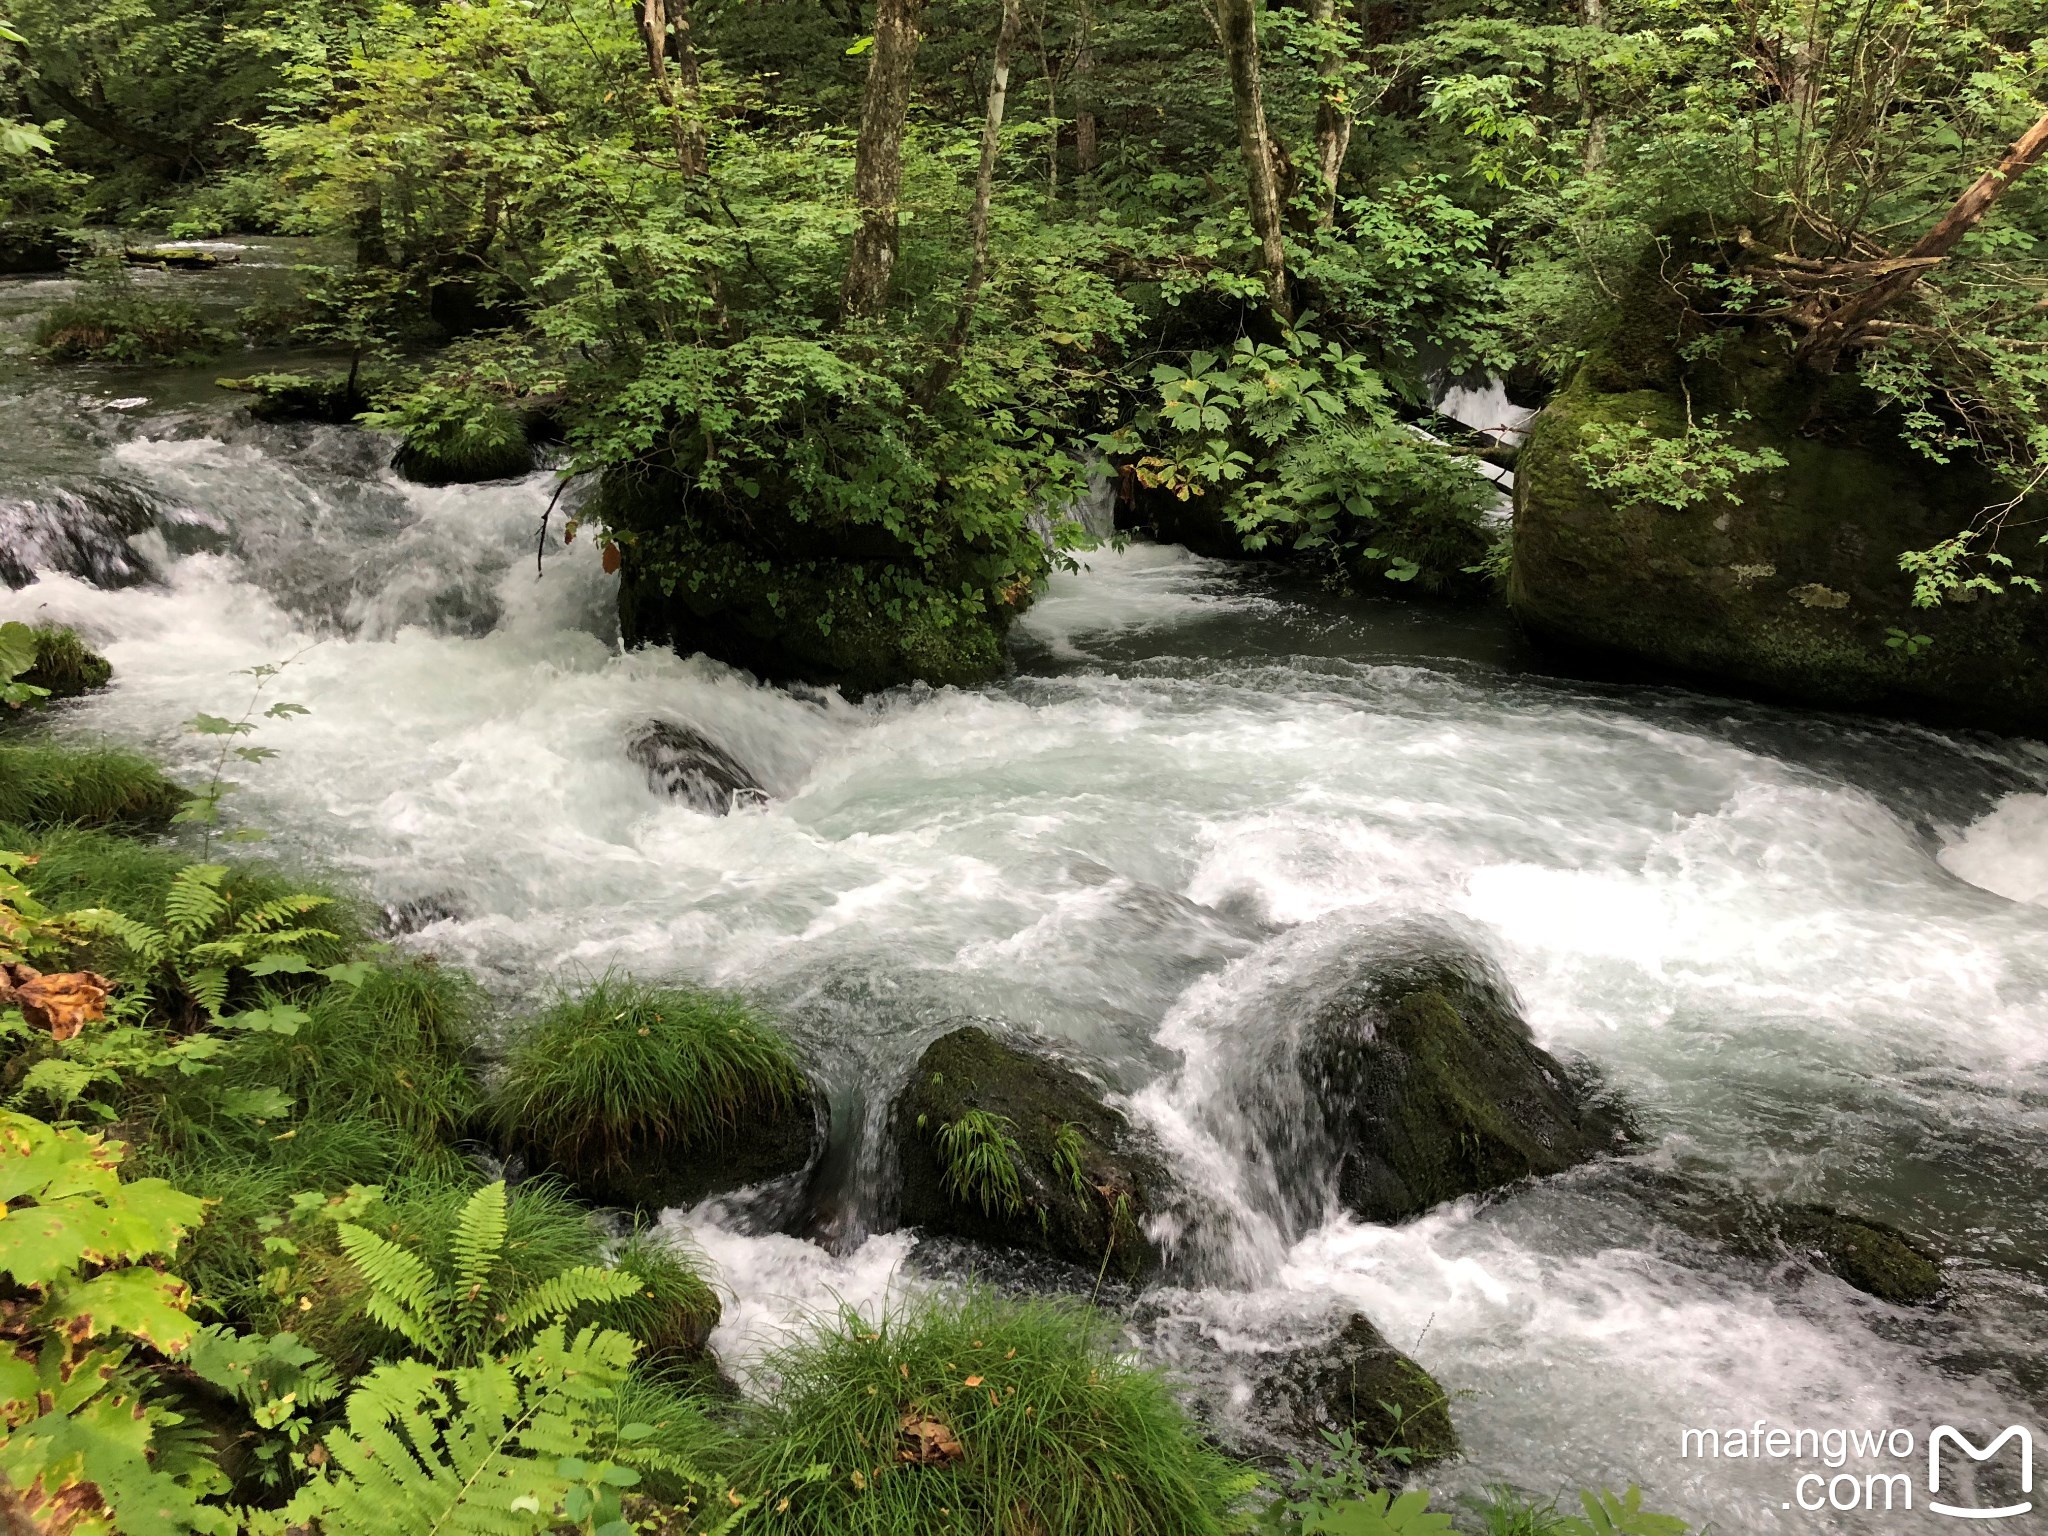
[[1788, 583], [35, 245], [65, 664], [1080, 1179], [796, 600], [1427, 1087], [1358, 1381]]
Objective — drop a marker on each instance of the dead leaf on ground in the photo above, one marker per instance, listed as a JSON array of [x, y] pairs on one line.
[[63, 1004], [927, 1442]]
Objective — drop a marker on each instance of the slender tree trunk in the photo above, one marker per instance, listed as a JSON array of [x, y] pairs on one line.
[[1333, 120], [665, 28], [1085, 149], [1237, 25], [1823, 347], [1595, 19], [878, 156], [984, 195]]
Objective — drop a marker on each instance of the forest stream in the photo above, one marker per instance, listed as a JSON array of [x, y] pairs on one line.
[[1806, 951]]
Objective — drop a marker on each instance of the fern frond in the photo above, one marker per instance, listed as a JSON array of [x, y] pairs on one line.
[[405, 1295], [194, 901], [261, 918], [208, 988], [147, 944], [556, 1297], [479, 1245]]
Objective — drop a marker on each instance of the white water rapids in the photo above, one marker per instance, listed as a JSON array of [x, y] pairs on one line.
[[1808, 951]]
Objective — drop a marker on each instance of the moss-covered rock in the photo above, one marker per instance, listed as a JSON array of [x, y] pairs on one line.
[[35, 245], [66, 665], [852, 607], [998, 1142], [1430, 1088], [1790, 586], [1358, 1381], [336, 397], [1876, 1259]]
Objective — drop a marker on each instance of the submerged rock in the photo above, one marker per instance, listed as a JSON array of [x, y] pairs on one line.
[[183, 258], [1430, 1087], [998, 1142], [336, 397], [1357, 1381], [1876, 1259], [685, 764]]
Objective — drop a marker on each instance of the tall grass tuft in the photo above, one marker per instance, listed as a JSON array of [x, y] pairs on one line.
[[967, 1413], [625, 1072], [673, 1312], [65, 664], [43, 784]]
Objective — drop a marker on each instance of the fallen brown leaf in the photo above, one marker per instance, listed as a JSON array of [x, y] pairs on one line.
[[63, 1004], [927, 1442]]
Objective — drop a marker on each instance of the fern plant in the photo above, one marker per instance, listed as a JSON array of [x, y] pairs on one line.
[[980, 1157], [460, 1316], [502, 1447], [203, 941]]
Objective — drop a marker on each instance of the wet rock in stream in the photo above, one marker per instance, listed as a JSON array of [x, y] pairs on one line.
[[685, 764], [1357, 1381], [997, 1141]]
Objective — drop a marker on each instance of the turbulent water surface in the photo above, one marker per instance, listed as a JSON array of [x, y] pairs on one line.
[[1809, 952]]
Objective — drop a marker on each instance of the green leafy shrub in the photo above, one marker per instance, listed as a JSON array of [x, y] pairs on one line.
[[973, 1414], [625, 1073], [1639, 467], [454, 433], [45, 785]]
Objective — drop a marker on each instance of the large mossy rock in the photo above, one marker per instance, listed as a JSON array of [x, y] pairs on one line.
[[1875, 1258], [753, 592], [1357, 1381], [1790, 587], [1425, 1086], [1082, 1180]]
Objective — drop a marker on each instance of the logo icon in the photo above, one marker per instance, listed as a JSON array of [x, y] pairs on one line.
[[1968, 1448]]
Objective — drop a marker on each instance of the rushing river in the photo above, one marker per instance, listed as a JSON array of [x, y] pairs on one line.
[[1809, 951]]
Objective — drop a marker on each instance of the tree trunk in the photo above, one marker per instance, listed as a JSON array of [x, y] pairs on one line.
[[1823, 347], [878, 157], [1237, 26], [1333, 120], [1085, 150], [665, 28], [1595, 20]]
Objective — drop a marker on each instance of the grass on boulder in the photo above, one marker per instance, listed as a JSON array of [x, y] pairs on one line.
[[610, 1086], [124, 325], [674, 1311], [968, 1413], [65, 664], [43, 784]]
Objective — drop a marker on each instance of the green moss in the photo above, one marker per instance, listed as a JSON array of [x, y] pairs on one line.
[[971, 1414], [649, 1097], [1869, 1255], [1360, 1382], [44, 785], [1002, 1144], [65, 664], [1791, 588], [1439, 1092]]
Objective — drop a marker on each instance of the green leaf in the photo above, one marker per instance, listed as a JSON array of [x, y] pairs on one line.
[[213, 725], [284, 963]]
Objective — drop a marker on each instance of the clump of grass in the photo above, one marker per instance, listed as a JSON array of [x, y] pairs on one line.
[[683, 1433], [674, 1311], [626, 1072], [966, 1413], [980, 1157], [43, 784], [65, 664]]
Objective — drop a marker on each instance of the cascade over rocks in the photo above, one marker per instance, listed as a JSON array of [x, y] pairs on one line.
[[1794, 589], [685, 764], [1400, 1075], [1085, 1179], [1348, 1382]]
